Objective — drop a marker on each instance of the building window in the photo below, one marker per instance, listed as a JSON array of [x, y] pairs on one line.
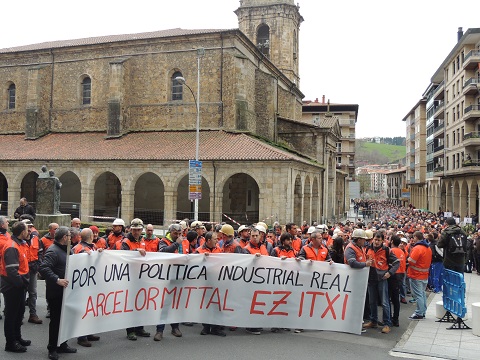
[[11, 97], [86, 91], [177, 87], [339, 147], [263, 40]]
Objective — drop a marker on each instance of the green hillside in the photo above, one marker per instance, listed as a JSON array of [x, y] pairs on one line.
[[373, 153]]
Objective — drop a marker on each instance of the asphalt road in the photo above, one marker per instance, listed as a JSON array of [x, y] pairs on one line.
[[237, 345]]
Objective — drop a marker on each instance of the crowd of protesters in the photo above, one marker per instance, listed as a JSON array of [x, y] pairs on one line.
[[404, 249]]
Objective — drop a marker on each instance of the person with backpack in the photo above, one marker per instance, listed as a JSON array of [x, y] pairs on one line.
[[453, 240]]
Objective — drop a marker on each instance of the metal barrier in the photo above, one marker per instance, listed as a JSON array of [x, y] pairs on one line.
[[454, 299]]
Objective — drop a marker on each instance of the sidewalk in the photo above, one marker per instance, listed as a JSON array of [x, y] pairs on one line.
[[428, 338]]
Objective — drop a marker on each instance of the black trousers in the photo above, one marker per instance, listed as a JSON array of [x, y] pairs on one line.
[[394, 291], [14, 311], [53, 327]]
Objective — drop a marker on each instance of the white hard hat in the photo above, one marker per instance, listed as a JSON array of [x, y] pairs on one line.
[[242, 227], [311, 229], [359, 234], [118, 222], [261, 228]]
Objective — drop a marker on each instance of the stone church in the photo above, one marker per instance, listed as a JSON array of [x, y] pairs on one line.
[[115, 117]]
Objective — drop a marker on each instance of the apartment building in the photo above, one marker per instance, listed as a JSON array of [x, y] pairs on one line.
[[416, 153], [396, 181], [452, 139]]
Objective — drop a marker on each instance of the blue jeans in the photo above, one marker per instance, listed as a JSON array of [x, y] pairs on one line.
[[161, 327], [418, 291], [374, 290]]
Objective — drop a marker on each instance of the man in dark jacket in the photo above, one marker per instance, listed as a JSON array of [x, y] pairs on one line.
[[24, 208], [453, 260], [14, 275], [53, 271]]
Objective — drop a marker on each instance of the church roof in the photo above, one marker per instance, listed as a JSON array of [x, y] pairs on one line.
[[155, 145], [109, 39]]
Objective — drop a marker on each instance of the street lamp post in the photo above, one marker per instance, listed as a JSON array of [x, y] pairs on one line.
[[181, 80]]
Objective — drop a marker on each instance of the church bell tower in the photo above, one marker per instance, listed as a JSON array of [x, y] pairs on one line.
[[273, 26]]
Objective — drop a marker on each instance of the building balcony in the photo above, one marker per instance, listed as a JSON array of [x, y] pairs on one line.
[[439, 110], [438, 148], [439, 92], [412, 137], [438, 169], [439, 127], [412, 166], [471, 60], [471, 139], [471, 86], [472, 112]]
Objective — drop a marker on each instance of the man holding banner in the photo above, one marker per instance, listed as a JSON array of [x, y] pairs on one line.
[[53, 271]]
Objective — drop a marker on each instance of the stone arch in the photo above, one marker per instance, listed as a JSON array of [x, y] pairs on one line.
[[3, 195], [185, 206], [315, 200], [149, 200], [307, 198], [297, 200], [241, 198], [70, 194], [263, 39], [85, 90], [28, 187], [108, 196], [443, 196]]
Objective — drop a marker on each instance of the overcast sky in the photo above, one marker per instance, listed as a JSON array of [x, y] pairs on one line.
[[379, 54]]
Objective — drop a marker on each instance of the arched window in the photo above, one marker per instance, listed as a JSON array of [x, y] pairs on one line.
[[295, 49], [177, 87], [86, 91], [263, 39], [11, 96]]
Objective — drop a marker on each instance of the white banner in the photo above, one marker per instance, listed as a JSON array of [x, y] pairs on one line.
[[119, 289]]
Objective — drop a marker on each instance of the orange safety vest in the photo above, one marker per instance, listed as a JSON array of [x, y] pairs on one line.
[[114, 239], [400, 254], [100, 244], [203, 249], [186, 248], [328, 241], [46, 243], [230, 248], [290, 253], [242, 243], [419, 262], [32, 253], [379, 257], [22, 258], [151, 245], [310, 254], [359, 253], [133, 245], [82, 247], [168, 242], [4, 238], [256, 250], [297, 244]]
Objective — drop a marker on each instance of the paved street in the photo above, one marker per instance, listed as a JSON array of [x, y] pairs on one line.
[[237, 345]]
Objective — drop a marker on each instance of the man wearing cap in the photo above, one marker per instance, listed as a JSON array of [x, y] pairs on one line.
[[171, 243], [243, 235], [134, 241], [254, 246], [198, 227], [262, 230], [117, 234], [99, 242], [33, 246], [230, 245]]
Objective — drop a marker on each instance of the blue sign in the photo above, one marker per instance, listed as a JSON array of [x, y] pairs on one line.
[[194, 180]]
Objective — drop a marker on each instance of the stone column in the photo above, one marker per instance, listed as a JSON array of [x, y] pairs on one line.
[[128, 198], [13, 199], [170, 206], [87, 204]]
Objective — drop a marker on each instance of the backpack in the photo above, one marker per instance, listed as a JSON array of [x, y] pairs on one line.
[[457, 245]]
